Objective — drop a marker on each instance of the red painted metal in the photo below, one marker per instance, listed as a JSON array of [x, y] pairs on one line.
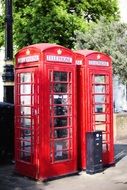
[[95, 105], [45, 111]]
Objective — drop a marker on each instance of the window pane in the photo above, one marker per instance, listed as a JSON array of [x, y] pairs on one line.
[[99, 108], [99, 89], [25, 89], [62, 99], [101, 127], [99, 78], [25, 100], [25, 122], [99, 98], [25, 134], [26, 146], [61, 155], [59, 76], [61, 133], [61, 144], [100, 118], [60, 110], [25, 156], [60, 122], [25, 110], [25, 77], [62, 88]]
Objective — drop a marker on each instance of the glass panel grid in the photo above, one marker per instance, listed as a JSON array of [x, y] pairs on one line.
[[100, 107], [25, 120], [60, 116]]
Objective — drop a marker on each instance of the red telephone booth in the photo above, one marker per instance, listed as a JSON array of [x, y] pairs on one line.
[[45, 111], [95, 106]]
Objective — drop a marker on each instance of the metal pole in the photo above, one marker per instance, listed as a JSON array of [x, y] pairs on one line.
[[8, 73]]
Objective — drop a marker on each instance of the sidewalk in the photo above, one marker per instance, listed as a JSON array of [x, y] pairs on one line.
[[114, 178]]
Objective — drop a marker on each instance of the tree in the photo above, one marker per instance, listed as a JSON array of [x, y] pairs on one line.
[[110, 38], [55, 21], [1, 25]]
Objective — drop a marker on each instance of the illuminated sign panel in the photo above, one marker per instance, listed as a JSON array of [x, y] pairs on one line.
[[99, 63], [28, 59], [55, 58]]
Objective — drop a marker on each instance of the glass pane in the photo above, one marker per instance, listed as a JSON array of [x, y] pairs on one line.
[[100, 118], [25, 134], [26, 146], [60, 76], [25, 89], [25, 110], [25, 156], [61, 144], [60, 110], [60, 133], [99, 78], [57, 99], [99, 108], [60, 122], [104, 137], [62, 88], [25, 77], [101, 127], [62, 99], [25, 122], [99, 89], [99, 98], [26, 137], [61, 155], [25, 100]]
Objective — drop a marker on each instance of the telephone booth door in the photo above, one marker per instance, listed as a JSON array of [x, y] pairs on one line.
[[100, 111], [26, 121], [61, 140]]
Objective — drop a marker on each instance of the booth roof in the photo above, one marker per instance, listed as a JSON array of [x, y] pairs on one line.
[[43, 46]]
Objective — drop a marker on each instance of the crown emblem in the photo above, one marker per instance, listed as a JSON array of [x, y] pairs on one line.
[[98, 56], [59, 51], [27, 52]]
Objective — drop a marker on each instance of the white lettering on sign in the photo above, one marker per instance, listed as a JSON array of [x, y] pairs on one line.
[[59, 58], [28, 59], [99, 63], [78, 62]]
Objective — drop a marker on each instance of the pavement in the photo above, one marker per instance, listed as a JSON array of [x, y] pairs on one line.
[[114, 177]]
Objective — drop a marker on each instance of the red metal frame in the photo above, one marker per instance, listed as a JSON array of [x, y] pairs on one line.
[[95, 106], [50, 146]]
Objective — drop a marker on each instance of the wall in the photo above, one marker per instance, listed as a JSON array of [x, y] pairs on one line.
[[120, 126]]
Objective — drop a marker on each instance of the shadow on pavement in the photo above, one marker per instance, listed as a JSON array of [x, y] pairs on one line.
[[120, 151], [10, 181]]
